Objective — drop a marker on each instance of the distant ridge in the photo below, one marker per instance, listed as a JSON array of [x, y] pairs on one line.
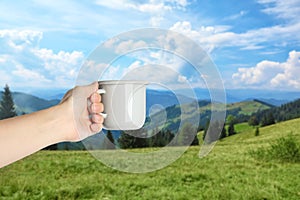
[[26, 103], [264, 103]]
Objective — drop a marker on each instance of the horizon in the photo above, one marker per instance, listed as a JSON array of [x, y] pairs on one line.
[[254, 44], [240, 96]]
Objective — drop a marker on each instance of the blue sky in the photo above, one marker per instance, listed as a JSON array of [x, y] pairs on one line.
[[254, 44]]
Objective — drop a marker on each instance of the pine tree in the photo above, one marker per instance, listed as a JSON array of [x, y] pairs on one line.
[[187, 135], [133, 139], [168, 137], [231, 130], [126, 141], [109, 141], [205, 129], [223, 133], [253, 121], [195, 141], [7, 106], [256, 133], [268, 119]]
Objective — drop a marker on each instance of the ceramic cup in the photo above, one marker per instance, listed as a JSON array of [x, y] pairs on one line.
[[124, 104]]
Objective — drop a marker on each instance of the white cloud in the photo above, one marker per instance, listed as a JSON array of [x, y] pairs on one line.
[[129, 45], [61, 61], [269, 74], [211, 37], [28, 65], [282, 9], [155, 8], [28, 75], [156, 20], [158, 75], [181, 79], [151, 6], [14, 40]]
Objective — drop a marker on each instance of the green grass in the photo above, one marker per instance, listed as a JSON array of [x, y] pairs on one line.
[[247, 107], [228, 172], [243, 127]]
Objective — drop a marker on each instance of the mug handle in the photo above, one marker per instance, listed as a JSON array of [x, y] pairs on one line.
[[102, 91]]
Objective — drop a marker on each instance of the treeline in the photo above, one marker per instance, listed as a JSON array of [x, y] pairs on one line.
[[217, 130], [158, 138], [284, 112]]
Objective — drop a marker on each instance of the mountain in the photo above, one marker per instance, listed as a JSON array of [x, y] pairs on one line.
[[172, 117], [162, 99], [274, 102], [274, 97], [47, 94], [284, 112], [26, 103], [167, 98]]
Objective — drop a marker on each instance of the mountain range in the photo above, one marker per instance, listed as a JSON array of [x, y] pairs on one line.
[[157, 99], [27, 103], [166, 104]]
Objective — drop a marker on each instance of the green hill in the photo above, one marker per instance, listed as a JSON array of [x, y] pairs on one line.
[[241, 110], [248, 107], [284, 112], [267, 134], [26, 103], [228, 172]]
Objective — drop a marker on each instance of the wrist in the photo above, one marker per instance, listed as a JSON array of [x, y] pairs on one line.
[[60, 121]]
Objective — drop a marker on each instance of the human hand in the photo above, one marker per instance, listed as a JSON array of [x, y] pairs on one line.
[[83, 105]]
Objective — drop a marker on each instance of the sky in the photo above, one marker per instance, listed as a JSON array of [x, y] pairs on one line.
[[254, 44]]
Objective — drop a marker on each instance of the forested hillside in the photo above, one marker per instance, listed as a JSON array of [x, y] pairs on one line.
[[277, 114]]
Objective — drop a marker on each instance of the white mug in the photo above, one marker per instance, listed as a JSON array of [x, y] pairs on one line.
[[124, 104]]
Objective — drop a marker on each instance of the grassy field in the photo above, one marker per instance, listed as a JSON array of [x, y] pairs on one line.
[[228, 172], [247, 107]]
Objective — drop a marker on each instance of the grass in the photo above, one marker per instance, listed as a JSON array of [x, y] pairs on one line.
[[228, 172], [284, 149], [247, 107]]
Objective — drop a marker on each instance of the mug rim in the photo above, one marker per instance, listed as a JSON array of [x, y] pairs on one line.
[[122, 82]]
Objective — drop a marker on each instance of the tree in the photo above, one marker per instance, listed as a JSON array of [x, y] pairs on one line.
[[212, 131], [160, 138], [7, 106], [231, 130], [256, 133], [133, 139], [126, 141], [205, 129], [268, 119], [187, 135], [253, 121], [223, 133], [109, 142], [195, 141], [230, 119]]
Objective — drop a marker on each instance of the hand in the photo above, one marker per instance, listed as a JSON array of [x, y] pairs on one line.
[[83, 105]]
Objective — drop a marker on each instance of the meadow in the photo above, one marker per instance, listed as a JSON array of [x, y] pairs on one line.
[[228, 172]]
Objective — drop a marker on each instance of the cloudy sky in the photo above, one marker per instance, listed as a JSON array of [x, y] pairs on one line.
[[254, 44]]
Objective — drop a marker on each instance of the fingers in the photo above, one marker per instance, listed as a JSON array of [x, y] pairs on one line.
[[96, 127], [96, 107], [96, 118], [95, 97], [97, 121]]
